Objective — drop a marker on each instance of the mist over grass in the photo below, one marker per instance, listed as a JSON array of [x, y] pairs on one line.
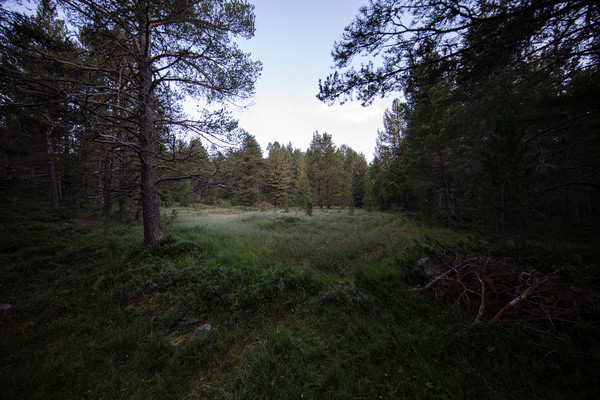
[[244, 304]]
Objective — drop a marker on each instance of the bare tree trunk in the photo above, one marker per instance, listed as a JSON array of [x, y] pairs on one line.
[[53, 189], [122, 194], [446, 197], [503, 216], [53, 185], [109, 182], [153, 229]]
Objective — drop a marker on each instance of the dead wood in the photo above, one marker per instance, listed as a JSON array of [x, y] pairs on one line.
[[505, 291]]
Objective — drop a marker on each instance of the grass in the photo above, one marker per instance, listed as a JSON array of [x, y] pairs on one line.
[[253, 305]]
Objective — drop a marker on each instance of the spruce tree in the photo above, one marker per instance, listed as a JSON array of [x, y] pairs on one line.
[[304, 194], [278, 175]]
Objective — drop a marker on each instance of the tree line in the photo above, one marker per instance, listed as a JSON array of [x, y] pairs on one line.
[[497, 125], [323, 176]]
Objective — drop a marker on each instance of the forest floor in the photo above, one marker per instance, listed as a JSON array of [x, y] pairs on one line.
[[242, 304]]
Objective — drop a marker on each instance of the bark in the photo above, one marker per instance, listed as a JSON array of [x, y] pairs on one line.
[[503, 216], [122, 194], [153, 229], [53, 185], [109, 182]]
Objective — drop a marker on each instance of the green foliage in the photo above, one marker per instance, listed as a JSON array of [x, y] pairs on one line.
[[309, 207], [324, 171], [247, 172], [175, 248], [278, 176], [494, 132], [282, 223]]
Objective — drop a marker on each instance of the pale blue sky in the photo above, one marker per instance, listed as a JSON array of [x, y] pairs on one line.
[[294, 40]]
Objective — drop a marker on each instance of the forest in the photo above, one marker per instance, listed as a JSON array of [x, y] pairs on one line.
[[500, 135], [182, 260]]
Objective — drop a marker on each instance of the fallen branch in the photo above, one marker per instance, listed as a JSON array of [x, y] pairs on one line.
[[513, 303], [482, 305], [433, 282], [517, 300], [486, 286]]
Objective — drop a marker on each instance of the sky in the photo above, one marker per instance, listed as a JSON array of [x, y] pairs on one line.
[[294, 40]]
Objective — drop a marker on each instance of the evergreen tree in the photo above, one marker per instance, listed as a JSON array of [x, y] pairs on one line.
[[474, 37], [42, 117], [324, 170], [159, 45], [304, 194], [250, 172], [354, 169], [278, 175], [359, 181], [187, 174], [432, 139], [390, 145]]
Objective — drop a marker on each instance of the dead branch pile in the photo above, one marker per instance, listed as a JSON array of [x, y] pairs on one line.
[[499, 290]]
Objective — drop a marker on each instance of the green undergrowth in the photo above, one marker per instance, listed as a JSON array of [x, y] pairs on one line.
[[253, 305]]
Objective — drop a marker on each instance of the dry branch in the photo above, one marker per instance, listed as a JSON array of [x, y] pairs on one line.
[[482, 305], [508, 292]]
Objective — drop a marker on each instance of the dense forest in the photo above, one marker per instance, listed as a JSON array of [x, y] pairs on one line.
[[497, 128]]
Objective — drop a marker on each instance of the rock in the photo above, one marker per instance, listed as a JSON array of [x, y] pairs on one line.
[[430, 268], [179, 340], [5, 307], [205, 327], [423, 261]]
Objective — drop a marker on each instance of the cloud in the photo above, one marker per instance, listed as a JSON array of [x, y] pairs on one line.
[[293, 116]]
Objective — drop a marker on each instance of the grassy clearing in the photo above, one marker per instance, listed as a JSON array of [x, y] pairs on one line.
[[253, 305]]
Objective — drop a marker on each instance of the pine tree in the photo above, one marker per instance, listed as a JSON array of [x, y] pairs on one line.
[[159, 45], [37, 109]]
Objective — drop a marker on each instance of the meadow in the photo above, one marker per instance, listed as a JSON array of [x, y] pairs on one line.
[[244, 304]]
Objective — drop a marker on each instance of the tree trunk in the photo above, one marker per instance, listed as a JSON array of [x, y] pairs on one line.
[[503, 216], [122, 194], [53, 186], [53, 189], [153, 229], [109, 182], [446, 196]]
